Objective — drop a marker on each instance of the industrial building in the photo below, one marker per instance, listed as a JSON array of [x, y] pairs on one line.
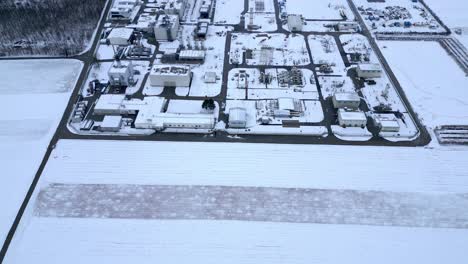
[[123, 9], [295, 23], [205, 9], [175, 7], [116, 104], [121, 73], [111, 124], [202, 29], [166, 28], [121, 36], [351, 118], [170, 75], [197, 56], [161, 121], [346, 100], [348, 26], [151, 116], [369, 70], [387, 123], [237, 117], [210, 77]]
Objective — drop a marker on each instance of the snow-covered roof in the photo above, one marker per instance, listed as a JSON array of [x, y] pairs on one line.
[[120, 67], [111, 121], [192, 54], [352, 115], [167, 20], [238, 114], [389, 123], [170, 70], [125, 33], [351, 97], [286, 104], [369, 67]]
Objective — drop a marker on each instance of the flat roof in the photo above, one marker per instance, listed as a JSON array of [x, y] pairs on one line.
[[170, 70], [111, 121], [354, 97], [125, 33], [192, 54], [369, 67], [352, 115], [164, 20]]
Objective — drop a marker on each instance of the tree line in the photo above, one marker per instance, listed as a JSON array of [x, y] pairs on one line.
[[48, 27]]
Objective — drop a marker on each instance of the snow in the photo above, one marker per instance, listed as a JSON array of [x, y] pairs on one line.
[[34, 94], [435, 85], [430, 178], [452, 12], [92, 241], [150, 163], [228, 11], [326, 9]]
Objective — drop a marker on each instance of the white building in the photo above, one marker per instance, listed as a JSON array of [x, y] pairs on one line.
[[121, 73], [192, 55], [175, 7], [120, 36], [160, 121], [351, 118], [295, 22], [348, 26], [151, 116], [387, 123], [346, 100], [116, 104], [166, 27], [170, 75], [237, 117], [123, 9], [210, 77], [111, 124], [369, 70]]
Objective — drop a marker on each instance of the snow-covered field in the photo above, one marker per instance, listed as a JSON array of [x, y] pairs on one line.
[[434, 84], [291, 166], [415, 171], [452, 12], [228, 11], [324, 9], [34, 94]]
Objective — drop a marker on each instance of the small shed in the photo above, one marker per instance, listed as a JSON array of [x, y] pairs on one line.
[[210, 77]]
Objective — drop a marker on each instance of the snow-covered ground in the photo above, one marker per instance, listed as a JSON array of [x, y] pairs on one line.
[[435, 85], [34, 94], [228, 11], [292, 166], [326, 9], [452, 12], [439, 172], [94, 241]]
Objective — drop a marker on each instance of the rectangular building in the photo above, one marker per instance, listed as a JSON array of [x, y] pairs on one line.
[[346, 100], [170, 75], [166, 27], [111, 124], [121, 36], [369, 70], [351, 118]]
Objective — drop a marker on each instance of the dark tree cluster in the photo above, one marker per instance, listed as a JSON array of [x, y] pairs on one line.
[[47, 27]]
